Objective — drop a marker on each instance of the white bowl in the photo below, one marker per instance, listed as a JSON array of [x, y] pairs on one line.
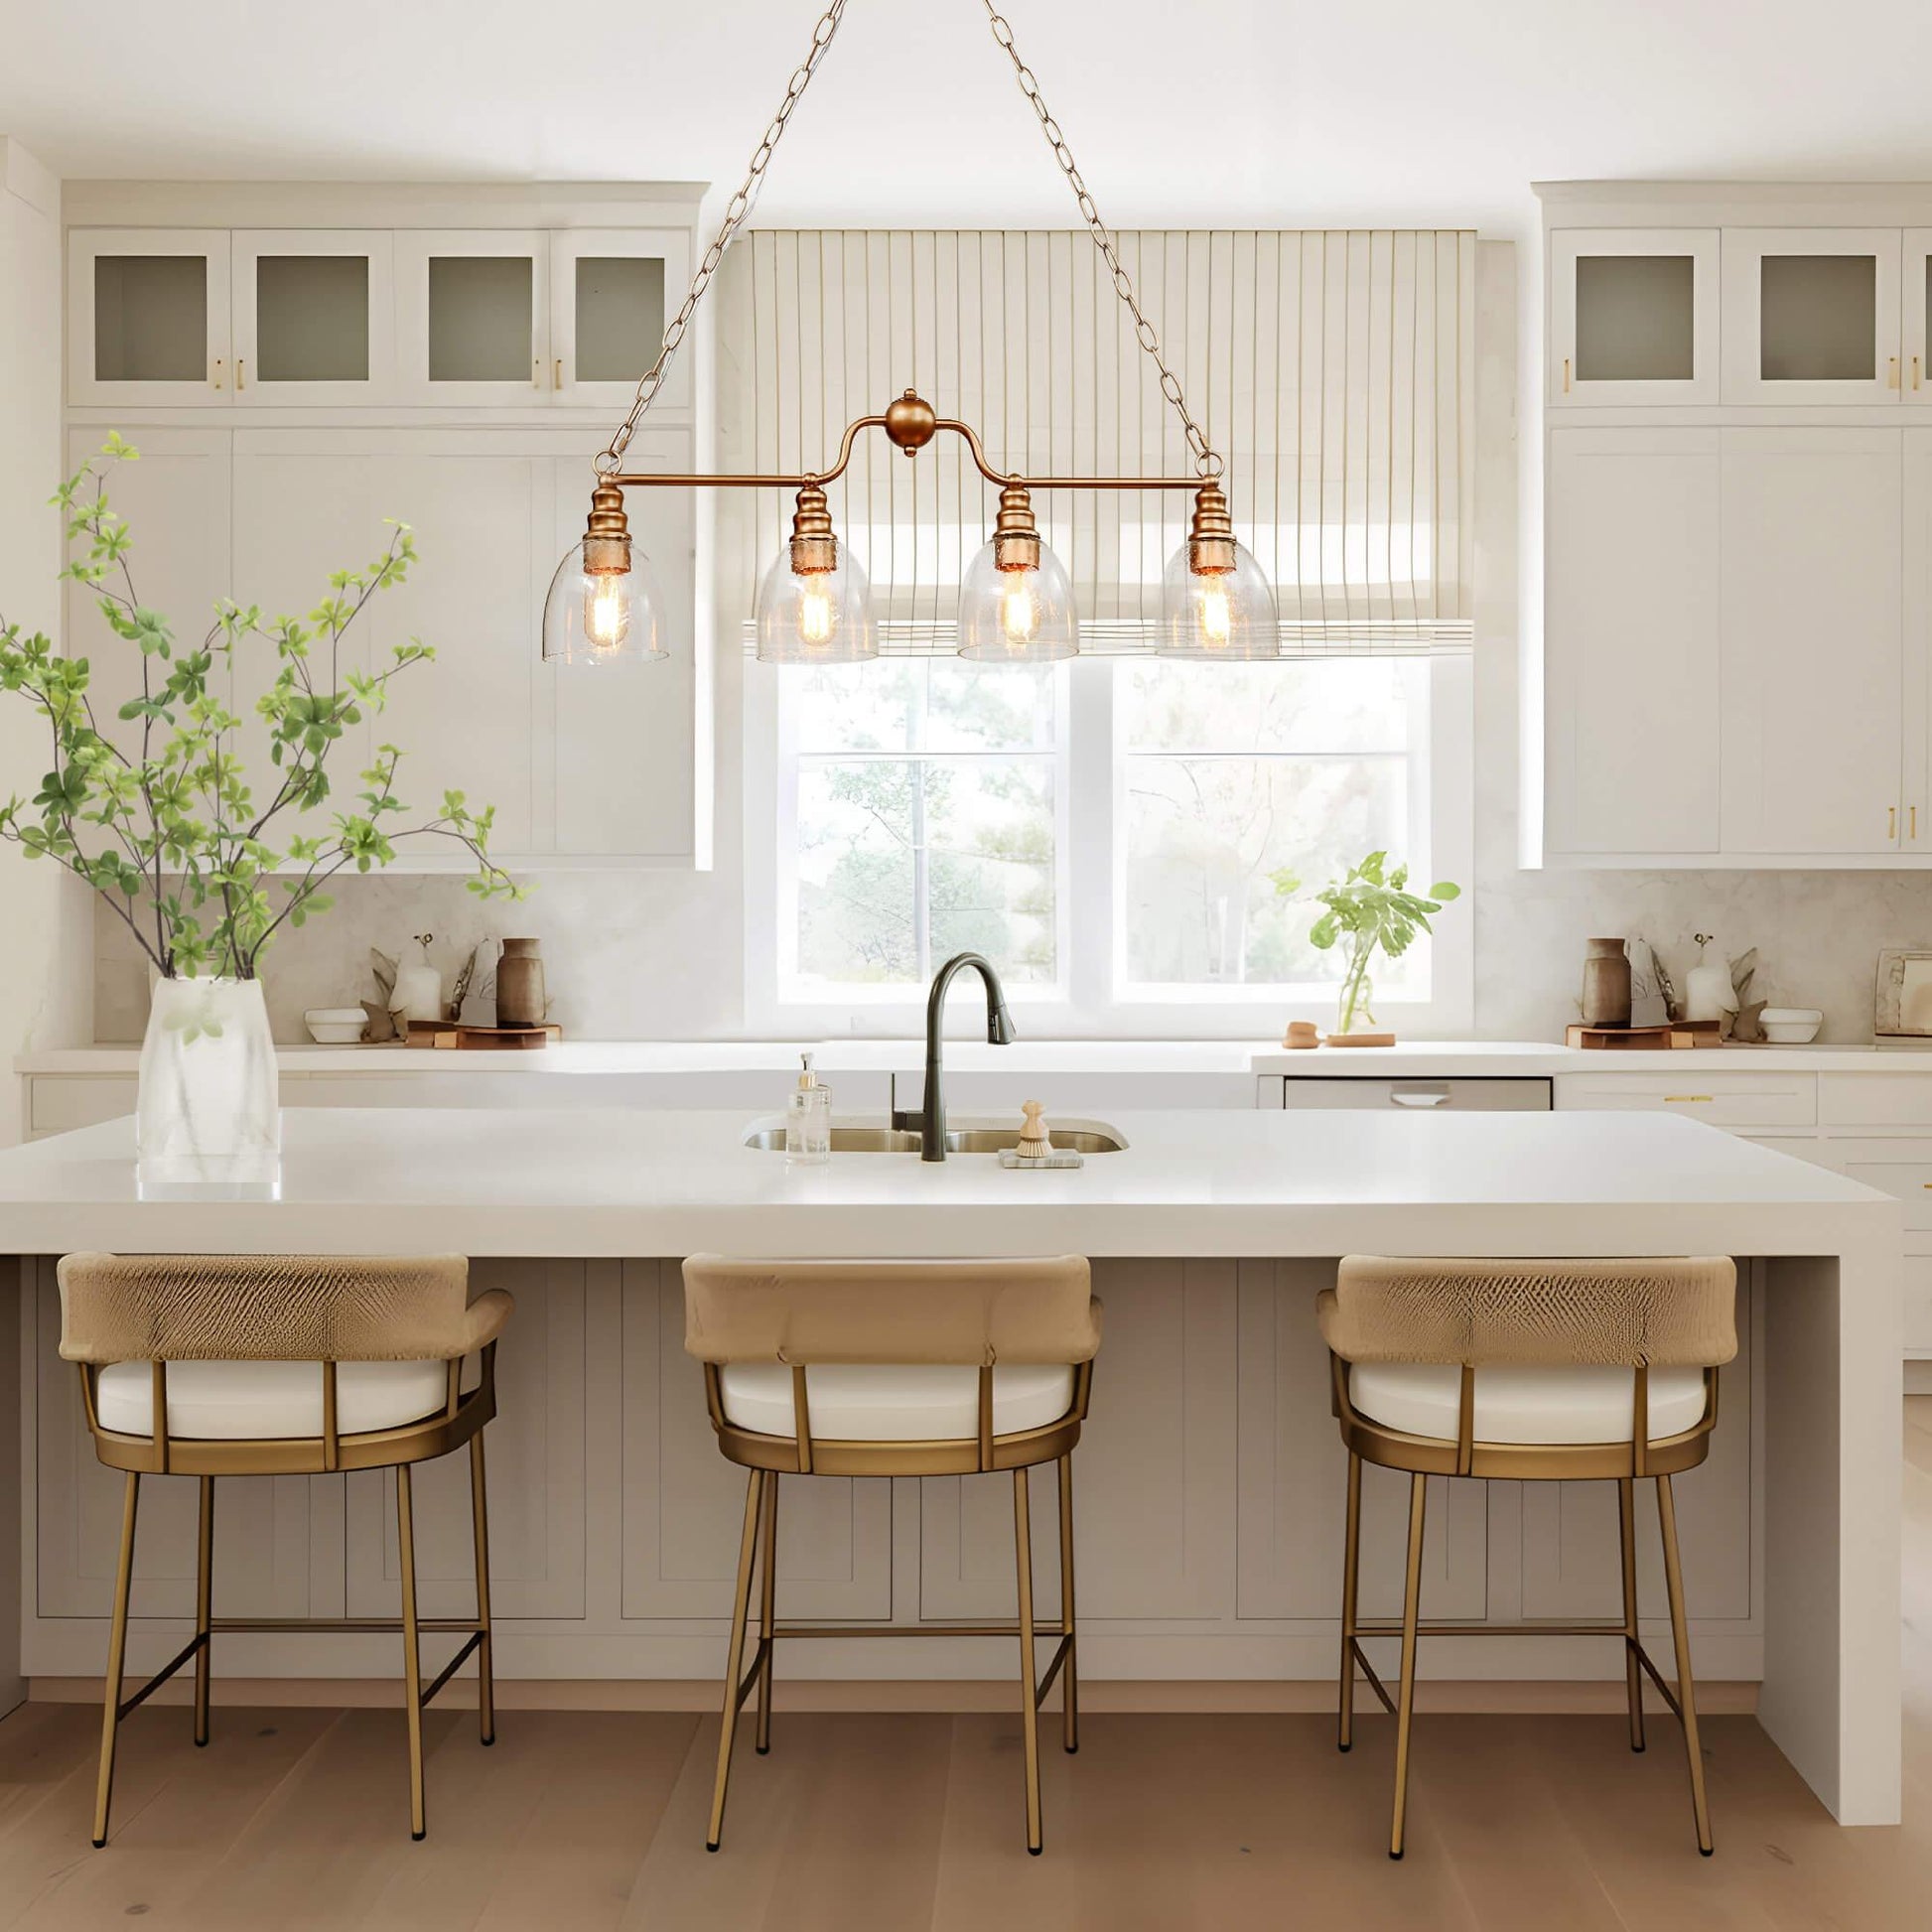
[[1791, 1026], [335, 1025]]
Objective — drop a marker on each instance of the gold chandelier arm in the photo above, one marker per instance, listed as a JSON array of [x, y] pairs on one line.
[[1205, 461], [611, 461]]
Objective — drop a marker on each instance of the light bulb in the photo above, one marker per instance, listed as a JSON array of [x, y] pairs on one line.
[[815, 606], [607, 612], [603, 615], [1215, 620], [1021, 613], [1020, 607]]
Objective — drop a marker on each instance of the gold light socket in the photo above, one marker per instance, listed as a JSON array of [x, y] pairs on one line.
[[1210, 536], [814, 549], [606, 536], [1016, 534]]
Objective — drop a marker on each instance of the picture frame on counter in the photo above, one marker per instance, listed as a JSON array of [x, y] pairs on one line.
[[1903, 999]]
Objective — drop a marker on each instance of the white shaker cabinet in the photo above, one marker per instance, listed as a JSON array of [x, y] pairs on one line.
[[472, 317], [1633, 315], [1811, 314], [148, 316], [1813, 643], [1633, 618], [612, 293], [313, 315]]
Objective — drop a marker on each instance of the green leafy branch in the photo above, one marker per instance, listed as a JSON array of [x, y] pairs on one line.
[[170, 830], [1371, 906]]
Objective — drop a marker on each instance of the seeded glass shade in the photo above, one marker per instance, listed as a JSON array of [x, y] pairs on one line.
[[820, 618], [602, 617], [1225, 617], [1016, 616]]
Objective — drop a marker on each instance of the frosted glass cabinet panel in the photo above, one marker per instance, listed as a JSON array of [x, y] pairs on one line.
[[472, 317], [612, 291], [1633, 315], [313, 315], [148, 316], [1811, 314]]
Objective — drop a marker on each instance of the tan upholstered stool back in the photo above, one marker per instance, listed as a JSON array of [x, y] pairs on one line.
[[273, 1307], [1648, 1312], [966, 1313]]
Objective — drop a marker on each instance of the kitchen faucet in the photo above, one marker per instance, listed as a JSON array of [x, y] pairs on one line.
[[931, 1120]]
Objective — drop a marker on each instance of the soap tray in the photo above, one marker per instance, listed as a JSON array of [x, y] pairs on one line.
[[1061, 1157]]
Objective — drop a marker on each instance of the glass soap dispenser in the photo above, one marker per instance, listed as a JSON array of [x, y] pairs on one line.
[[808, 1118]]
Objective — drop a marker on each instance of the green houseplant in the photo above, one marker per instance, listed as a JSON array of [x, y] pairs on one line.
[[1372, 907], [202, 862]]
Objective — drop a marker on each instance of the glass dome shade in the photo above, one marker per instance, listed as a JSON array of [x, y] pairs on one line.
[[598, 617], [819, 616], [1224, 615], [1018, 616]]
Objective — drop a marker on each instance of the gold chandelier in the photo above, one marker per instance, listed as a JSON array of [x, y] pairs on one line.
[[814, 606]]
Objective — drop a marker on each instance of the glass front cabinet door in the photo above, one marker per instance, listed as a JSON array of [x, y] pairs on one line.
[[1915, 376], [148, 316], [313, 315], [472, 317], [612, 291], [1812, 315], [1633, 315]]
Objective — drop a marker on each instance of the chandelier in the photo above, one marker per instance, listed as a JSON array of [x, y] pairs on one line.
[[814, 605]]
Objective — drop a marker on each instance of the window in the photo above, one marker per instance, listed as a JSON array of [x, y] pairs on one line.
[[1107, 832], [919, 806]]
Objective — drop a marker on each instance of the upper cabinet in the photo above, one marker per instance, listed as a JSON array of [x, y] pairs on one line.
[[1811, 314], [476, 318], [1633, 315]]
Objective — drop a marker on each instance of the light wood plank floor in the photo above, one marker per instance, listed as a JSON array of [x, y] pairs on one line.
[[293, 1821]]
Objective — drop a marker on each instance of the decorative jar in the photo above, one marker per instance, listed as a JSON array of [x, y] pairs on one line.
[[208, 1120]]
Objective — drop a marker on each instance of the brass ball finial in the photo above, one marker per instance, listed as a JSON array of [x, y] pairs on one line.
[[911, 421]]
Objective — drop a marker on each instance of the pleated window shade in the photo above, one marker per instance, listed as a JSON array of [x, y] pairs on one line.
[[1333, 369]]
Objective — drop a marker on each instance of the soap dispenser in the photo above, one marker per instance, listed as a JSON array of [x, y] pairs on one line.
[[808, 1118]]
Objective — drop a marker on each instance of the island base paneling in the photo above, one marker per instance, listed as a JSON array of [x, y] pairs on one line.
[[1208, 1485]]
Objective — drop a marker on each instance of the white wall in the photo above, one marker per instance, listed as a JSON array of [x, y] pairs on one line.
[[44, 942]]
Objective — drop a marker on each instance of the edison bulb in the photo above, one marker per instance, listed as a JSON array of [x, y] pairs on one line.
[[815, 617], [597, 616], [1228, 615], [1018, 616]]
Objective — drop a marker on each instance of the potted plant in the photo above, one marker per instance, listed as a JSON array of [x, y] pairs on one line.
[[1373, 907], [193, 854]]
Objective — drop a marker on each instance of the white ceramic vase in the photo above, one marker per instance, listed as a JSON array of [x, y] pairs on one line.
[[208, 1120]]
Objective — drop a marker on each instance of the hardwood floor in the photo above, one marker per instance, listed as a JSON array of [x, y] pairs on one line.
[[295, 1821]]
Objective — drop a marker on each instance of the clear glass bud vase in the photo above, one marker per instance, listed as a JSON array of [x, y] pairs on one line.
[[209, 1122]]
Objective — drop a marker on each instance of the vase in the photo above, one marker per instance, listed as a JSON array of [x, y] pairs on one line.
[[1352, 1014], [1606, 984], [209, 1121], [520, 997]]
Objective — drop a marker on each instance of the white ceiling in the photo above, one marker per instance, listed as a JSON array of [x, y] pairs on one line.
[[1206, 111]]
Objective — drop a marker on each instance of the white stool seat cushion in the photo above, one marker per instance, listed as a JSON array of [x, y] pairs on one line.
[[928, 1403], [265, 1401], [1524, 1404]]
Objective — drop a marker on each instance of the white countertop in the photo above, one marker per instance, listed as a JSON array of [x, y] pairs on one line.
[[629, 1182]]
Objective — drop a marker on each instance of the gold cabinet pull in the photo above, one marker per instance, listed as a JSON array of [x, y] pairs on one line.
[[537, 372], [1915, 372], [1689, 1099], [240, 381], [1911, 822], [1891, 371], [215, 378], [560, 373], [1891, 821], [1566, 376]]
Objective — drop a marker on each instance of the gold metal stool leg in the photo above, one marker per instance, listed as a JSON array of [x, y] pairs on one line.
[[734, 1688], [1070, 1671], [412, 1655], [1626, 1508], [1351, 1553], [1023, 1556], [110, 1717], [204, 1605], [1406, 1696], [486, 1662], [1681, 1637], [768, 1599]]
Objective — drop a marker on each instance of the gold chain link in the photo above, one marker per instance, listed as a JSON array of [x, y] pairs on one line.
[[1205, 461], [736, 210]]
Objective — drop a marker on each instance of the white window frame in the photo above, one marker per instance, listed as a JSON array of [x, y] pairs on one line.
[[1091, 997]]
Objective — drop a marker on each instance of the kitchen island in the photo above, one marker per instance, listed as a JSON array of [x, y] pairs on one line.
[[1210, 1474]]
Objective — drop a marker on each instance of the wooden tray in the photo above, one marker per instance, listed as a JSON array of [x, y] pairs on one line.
[[438, 1035], [1680, 1035]]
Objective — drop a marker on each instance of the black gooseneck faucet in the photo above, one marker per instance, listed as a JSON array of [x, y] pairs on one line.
[[931, 1120]]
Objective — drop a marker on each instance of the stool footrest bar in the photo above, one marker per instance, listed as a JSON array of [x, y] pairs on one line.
[[354, 1625], [147, 1689], [908, 1630]]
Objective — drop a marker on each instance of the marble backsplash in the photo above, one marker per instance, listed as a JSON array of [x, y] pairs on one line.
[[659, 955]]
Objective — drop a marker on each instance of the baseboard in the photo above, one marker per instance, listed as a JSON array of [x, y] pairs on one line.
[[1130, 1695]]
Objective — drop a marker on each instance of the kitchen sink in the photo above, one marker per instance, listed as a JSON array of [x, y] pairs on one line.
[[1083, 1136]]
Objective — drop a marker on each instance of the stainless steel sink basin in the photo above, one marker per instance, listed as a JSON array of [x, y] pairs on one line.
[[1080, 1136]]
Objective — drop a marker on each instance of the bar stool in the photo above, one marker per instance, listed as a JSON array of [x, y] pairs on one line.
[[893, 1368], [228, 1365], [1536, 1371]]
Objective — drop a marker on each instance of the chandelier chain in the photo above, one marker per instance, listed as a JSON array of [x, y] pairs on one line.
[[1205, 461], [739, 207]]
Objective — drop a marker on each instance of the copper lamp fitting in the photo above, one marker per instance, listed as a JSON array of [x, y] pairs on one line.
[[911, 421], [1016, 535], [814, 549], [1210, 536], [606, 537]]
